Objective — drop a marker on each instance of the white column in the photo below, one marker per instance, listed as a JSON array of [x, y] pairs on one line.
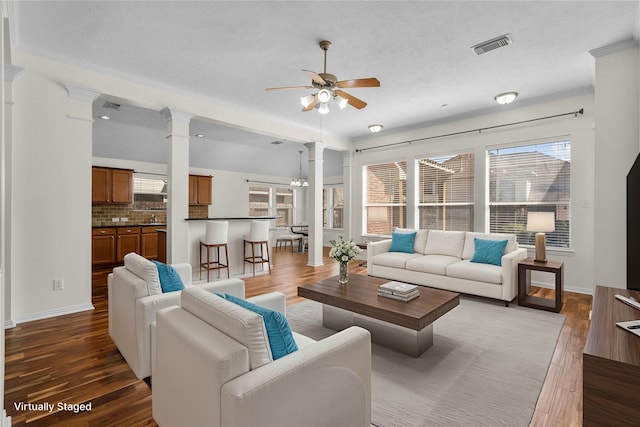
[[178, 185], [314, 214], [11, 72], [347, 224]]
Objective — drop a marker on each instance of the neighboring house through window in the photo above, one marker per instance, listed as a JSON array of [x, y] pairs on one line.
[[385, 197]]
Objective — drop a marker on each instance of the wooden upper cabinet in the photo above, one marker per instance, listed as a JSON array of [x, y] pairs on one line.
[[200, 192], [112, 185]]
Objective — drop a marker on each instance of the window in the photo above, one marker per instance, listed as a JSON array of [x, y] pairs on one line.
[[284, 206], [332, 207], [445, 192], [385, 197], [149, 193], [266, 200], [527, 178], [259, 200]]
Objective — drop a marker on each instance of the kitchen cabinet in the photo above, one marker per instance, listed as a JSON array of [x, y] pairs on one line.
[[149, 241], [200, 190], [110, 185], [128, 240], [103, 246]]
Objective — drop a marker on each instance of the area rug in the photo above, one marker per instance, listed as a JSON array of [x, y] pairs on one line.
[[486, 366]]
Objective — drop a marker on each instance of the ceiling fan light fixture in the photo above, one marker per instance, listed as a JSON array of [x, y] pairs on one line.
[[375, 128], [306, 100], [506, 98], [342, 102], [323, 108], [324, 95]]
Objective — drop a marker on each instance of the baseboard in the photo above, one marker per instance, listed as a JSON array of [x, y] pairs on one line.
[[8, 324], [5, 421], [585, 291], [53, 313]]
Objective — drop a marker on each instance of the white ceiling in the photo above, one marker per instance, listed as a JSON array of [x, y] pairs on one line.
[[419, 50]]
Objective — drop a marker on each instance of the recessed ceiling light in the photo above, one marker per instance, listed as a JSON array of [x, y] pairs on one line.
[[506, 98], [199, 135], [375, 128], [104, 117]]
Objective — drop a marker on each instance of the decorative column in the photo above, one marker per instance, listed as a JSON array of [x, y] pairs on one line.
[[178, 185], [347, 224], [316, 164]]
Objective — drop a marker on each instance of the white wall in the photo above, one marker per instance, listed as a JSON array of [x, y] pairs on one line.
[[579, 261]]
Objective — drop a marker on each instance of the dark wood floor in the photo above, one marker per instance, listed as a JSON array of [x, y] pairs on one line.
[[71, 359]]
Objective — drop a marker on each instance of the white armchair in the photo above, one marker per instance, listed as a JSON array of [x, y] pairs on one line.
[[134, 300], [203, 376]]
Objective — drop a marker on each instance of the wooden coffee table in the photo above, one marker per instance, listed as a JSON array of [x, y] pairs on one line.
[[403, 326]]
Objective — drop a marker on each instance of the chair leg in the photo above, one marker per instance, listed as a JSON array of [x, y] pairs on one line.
[[253, 258]]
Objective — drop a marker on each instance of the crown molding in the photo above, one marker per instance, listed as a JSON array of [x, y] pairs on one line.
[[80, 93], [614, 48], [12, 72]]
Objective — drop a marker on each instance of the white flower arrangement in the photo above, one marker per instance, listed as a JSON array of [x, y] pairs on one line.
[[342, 250]]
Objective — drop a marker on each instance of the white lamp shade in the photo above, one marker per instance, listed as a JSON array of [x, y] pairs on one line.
[[324, 95], [342, 102], [541, 222], [323, 108], [306, 100]]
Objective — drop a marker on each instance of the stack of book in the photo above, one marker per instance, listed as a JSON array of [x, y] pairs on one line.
[[399, 291]]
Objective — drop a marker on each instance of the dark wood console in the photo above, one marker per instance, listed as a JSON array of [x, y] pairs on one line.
[[611, 363]]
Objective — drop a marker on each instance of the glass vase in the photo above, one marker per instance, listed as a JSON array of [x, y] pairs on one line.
[[344, 273]]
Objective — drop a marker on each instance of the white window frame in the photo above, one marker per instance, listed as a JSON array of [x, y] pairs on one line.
[[365, 205], [328, 207], [272, 208]]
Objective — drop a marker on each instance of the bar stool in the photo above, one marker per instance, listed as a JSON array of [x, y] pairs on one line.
[[215, 238], [258, 237], [284, 240]]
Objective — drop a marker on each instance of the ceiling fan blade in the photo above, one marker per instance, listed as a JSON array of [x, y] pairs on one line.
[[353, 101], [313, 104], [315, 77], [368, 82], [289, 87]]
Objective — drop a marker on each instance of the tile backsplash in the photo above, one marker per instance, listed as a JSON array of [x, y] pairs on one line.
[[101, 215]]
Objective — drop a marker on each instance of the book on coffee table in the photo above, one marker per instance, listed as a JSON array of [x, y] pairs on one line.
[[407, 297], [397, 288]]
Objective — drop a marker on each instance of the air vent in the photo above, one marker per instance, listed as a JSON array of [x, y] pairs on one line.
[[111, 105], [492, 44], [276, 142]]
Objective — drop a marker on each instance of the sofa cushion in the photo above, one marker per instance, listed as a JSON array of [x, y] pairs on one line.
[[170, 280], [237, 322], [145, 269], [466, 269], [488, 251], [420, 241], [393, 259], [402, 242], [441, 242], [469, 245], [435, 264], [280, 337]]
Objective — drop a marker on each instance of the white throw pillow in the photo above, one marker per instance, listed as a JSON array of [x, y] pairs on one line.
[[441, 242], [145, 269], [420, 241], [470, 248], [241, 324]]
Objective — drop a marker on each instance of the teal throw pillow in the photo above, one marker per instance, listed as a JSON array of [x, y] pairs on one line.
[[170, 280], [402, 242], [488, 251], [280, 337]]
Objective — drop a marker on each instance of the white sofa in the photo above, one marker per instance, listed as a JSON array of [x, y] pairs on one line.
[[203, 376], [442, 259], [134, 297]]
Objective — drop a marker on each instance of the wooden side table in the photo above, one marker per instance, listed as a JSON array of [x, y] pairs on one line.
[[524, 284]]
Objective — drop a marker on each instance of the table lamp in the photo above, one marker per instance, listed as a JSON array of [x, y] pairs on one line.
[[541, 223]]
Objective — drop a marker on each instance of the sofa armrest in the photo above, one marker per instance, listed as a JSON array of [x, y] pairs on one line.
[[305, 382], [233, 287], [510, 273], [375, 248], [275, 301]]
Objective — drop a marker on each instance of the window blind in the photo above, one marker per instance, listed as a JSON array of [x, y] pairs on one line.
[[446, 192], [535, 177], [386, 197]]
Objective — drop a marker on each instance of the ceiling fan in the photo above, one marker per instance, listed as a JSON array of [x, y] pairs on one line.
[[329, 87]]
